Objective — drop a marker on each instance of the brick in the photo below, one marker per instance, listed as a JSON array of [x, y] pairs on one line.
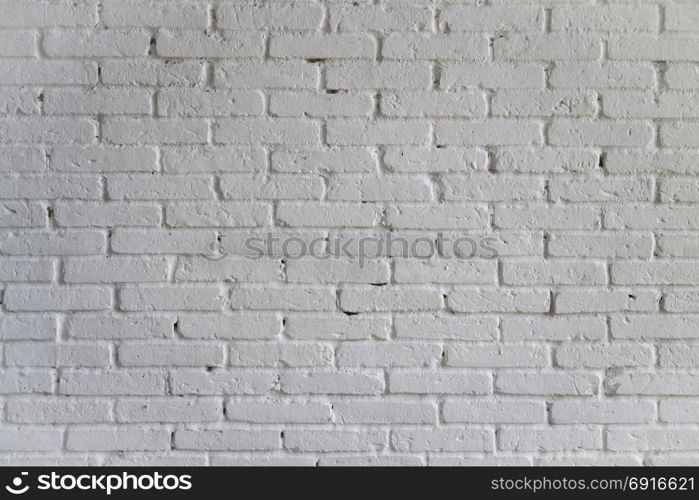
[[560, 438], [310, 161], [650, 216], [359, 133], [103, 101], [26, 381], [555, 329], [111, 382], [487, 187], [670, 383], [151, 131], [442, 382], [18, 43], [19, 214], [47, 130], [388, 355], [333, 382], [495, 18], [221, 44], [446, 327], [320, 105], [222, 214], [53, 410], [441, 216], [625, 18], [677, 410], [170, 298], [284, 187], [273, 131], [217, 382], [434, 46], [485, 300], [159, 410], [356, 18], [601, 244], [25, 327], [369, 298], [95, 214], [496, 132], [118, 439], [602, 133], [51, 355], [602, 75], [414, 159], [292, 297], [604, 356], [152, 72], [651, 439], [92, 159], [45, 72], [648, 327], [543, 103], [451, 440], [302, 17], [272, 75], [552, 46], [53, 298], [497, 75], [671, 104], [219, 102], [37, 187], [520, 273], [170, 355], [116, 269], [590, 301], [204, 159], [332, 46], [22, 159], [385, 413], [119, 13], [96, 43], [162, 241], [655, 273], [653, 47], [238, 326], [19, 270], [486, 412], [340, 327], [333, 441], [403, 103], [383, 75], [67, 242], [17, 14], [675, 356], [106, 327], [682, 75], [299, 412], [547, 383], [14, 439], [479, 355], [322, 214], [291, 355]]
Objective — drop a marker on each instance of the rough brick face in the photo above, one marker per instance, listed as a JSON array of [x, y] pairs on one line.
[[195, 197]]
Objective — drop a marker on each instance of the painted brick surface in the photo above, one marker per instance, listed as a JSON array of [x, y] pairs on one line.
[[195, 201]]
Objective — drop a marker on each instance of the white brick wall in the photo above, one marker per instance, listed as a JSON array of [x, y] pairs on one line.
[[138, 135]]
